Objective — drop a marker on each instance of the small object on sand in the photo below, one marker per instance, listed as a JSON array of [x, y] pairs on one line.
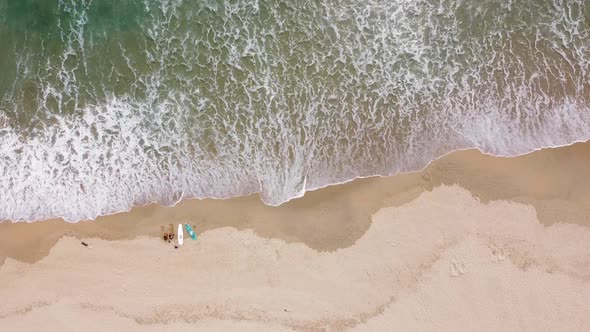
[[180, 235], [190, 231], [175, 247], [84, 244], [165, 237]]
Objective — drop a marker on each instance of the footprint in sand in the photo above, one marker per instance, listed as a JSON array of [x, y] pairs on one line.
[[498, 254], [457, 268]]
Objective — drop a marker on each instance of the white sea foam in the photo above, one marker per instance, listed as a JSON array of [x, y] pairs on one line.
[[233, 98]]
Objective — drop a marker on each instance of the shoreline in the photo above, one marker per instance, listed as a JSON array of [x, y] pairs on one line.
[[305, 192], [30, 242]]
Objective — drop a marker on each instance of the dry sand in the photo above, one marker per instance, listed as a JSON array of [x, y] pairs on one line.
[[473, 242]]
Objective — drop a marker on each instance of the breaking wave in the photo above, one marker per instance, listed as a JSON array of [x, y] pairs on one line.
[[104, 107]]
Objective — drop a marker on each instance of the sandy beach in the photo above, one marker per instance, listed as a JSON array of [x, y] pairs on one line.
[[122, 122], [472, 242]]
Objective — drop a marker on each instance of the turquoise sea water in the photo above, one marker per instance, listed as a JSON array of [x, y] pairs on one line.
[[109, 104]]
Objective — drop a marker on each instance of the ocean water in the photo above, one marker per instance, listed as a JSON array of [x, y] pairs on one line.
[[105, 105]]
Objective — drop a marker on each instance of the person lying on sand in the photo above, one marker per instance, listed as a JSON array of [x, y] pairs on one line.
[[167, 235]]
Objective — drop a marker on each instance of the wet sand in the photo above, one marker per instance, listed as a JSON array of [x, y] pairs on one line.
[[473, 241]]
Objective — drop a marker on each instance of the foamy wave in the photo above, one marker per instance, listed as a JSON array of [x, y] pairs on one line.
[[228, 99]]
